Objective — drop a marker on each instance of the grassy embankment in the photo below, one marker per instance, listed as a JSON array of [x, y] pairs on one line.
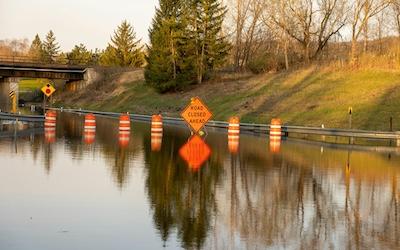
[[31, 84], [311, 96]]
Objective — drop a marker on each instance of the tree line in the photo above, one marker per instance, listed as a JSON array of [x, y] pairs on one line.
[[190, 39], [124, 49], [276, 34]]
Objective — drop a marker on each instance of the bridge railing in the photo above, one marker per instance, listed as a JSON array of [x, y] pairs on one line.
[[43, 61]]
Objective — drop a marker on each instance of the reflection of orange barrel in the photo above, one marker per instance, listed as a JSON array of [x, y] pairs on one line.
[[156, 132], [124, 130], [275, 135], [89, 128], [233, 134], [50, 126]]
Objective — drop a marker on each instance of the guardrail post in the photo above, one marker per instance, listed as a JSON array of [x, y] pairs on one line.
[[391, 124], [15, 128]]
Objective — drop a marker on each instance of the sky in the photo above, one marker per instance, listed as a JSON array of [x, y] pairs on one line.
[[90, 22]]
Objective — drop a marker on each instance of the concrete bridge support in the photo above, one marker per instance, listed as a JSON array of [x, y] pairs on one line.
[[8, 84], [90, 76]]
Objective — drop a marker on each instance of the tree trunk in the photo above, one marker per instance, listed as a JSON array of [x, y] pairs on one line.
[[286, 54], [173, 55], [353, 53], [398, 24], [203, 47], [365, 47], [201, 70], [307, 53], [198, 60]]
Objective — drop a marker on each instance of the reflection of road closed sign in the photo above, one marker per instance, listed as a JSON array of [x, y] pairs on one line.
[[196, 114], [11, 94], [195, 152], [48, 90]]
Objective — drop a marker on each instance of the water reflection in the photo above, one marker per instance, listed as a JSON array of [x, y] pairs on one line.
[[181, 199], [195, 152], [259, 195]]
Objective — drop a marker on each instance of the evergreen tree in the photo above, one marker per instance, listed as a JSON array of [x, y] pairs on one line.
[[186, 44], [61, 58], [79, 55], [96, 55], [124, 49], [36, 50], [205, 19], [107, 56], [167, 67], [50, 47]]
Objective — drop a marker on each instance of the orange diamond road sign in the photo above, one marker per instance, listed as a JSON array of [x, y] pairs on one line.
[[196, 114], [48, 90], [195, 152]]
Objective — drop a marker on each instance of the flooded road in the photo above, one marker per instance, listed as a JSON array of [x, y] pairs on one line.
[[80, 191]]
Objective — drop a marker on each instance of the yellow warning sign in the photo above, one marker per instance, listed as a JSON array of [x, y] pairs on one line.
[[196, 114], [48, 90]]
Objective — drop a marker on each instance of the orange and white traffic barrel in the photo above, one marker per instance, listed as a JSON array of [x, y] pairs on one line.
[[50, 119], [125, 122], [275, 135], [50, 126], [156, 132], [233, 134], [124, 130], [89, 129]]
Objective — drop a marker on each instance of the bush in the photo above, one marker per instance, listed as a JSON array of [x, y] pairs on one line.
[[266, 62], [259, 64]]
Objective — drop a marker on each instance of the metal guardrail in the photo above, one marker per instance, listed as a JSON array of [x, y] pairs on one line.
[[21, 133], [21, 118], [244, 127], [342, 132], [260, 128]]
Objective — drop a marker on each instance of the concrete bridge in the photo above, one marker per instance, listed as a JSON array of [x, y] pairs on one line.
[[34, 70], [12, 70]]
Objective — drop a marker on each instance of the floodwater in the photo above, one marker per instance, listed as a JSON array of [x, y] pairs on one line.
[[109, 192]]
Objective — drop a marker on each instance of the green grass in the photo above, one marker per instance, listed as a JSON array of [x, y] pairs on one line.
[[32, 84], [311, 97]]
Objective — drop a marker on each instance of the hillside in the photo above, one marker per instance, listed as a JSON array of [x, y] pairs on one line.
[[310, 96]]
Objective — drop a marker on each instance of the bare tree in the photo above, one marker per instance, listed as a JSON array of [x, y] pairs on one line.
[[240, 13], [248, 30], [381, 28], [362, 12], [311, 23], [256, 8], [281, 35], [396, 12]]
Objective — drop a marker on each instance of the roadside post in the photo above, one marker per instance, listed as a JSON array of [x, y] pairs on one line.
[[350, 114], [351, 139]]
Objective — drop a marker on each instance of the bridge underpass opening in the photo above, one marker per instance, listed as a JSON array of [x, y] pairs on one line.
[[69, 77]]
